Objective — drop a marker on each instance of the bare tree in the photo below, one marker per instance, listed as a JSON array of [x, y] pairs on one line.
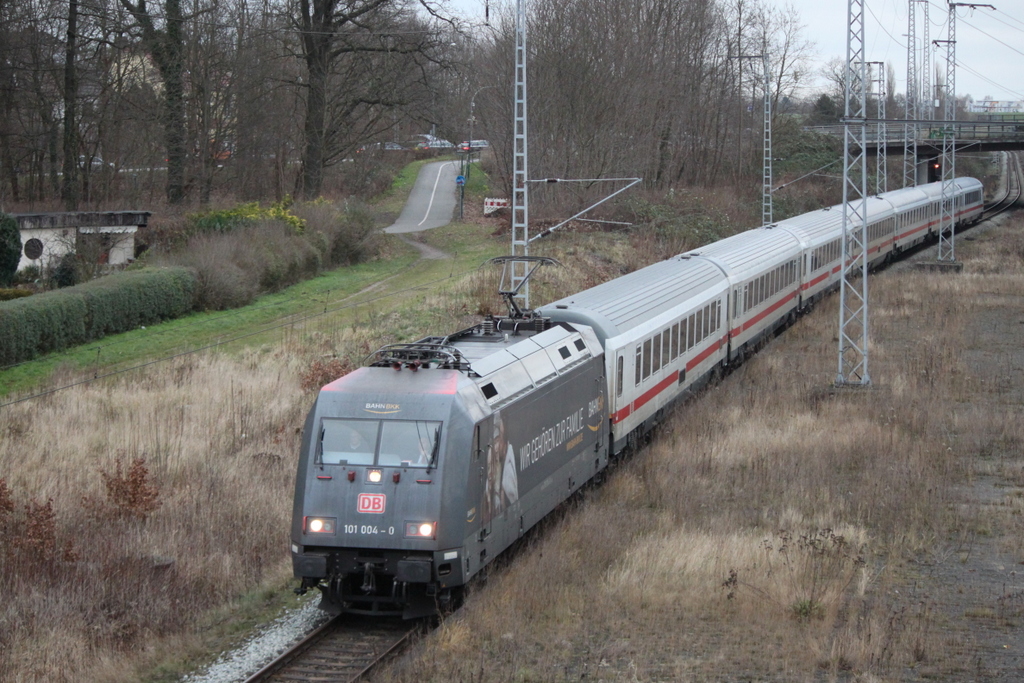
[[364, 59], [69, 181], [164, 39]]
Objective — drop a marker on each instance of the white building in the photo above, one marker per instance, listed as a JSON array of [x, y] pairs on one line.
[[990, 106], [47, 237]]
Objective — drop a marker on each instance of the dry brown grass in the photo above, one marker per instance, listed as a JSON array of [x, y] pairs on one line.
[[713, 556], [139, 505], [776, 529]]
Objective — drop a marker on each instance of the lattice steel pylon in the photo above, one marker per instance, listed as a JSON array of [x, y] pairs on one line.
[[926, 108], [520, 193], [881, 131], [766, 137], [947, 220], [766, 168], [853, 297], [947, 223], [910, 129]]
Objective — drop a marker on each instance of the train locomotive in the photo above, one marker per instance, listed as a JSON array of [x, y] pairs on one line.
[[419, 469]]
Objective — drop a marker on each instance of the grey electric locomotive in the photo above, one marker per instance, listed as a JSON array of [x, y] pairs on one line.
[[418, 470]]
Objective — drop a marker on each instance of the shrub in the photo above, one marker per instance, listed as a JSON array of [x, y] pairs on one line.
[[228, 220], [125, 300], [8, 294], [27, 275], [40, 324], [129, 495], [65, 273], [57, 320], [6, 508], [345, 236], [263, 257], [321, 372], [10, 248]]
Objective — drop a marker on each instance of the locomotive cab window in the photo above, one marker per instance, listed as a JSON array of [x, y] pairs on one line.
[[409, 444], [387, 443]]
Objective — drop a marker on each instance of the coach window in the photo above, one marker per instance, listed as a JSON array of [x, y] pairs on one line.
[[639, 364], [656, 351], [675, 341], [700, 327], [690, 341], [647, 359], [618, 376], [666, 349], [707, 320], [714, 316]]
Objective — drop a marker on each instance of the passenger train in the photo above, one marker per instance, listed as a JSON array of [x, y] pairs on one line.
[[419, 469]]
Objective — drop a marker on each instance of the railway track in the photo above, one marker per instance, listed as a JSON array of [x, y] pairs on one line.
[[344, 649], [348, 647], [1013, 188]]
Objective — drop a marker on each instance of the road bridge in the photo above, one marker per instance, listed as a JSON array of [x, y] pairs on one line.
[[978, 136], [991, 134]]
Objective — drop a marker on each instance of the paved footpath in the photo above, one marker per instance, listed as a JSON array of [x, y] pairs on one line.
[[432, 201]]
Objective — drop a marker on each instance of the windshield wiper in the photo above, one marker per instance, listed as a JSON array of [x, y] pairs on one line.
[[436, 449]]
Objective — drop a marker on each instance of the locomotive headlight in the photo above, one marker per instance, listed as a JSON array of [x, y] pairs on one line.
[[320, 525], [373, 476], [419, 529]]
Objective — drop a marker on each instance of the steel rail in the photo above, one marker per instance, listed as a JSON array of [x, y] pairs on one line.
[[350, 655]]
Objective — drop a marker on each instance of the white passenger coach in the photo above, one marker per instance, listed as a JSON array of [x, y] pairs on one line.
[[668, 327]]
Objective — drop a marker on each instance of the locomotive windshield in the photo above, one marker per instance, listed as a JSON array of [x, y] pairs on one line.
[[385, 443]]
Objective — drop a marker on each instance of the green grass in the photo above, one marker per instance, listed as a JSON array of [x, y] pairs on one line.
[[260, 322], [402, 274]]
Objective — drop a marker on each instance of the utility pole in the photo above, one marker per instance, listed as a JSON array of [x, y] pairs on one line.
[[911, 113], [520, 197], [853, 297], [881, 163], [947, 224], [766, 163], [927, 108]]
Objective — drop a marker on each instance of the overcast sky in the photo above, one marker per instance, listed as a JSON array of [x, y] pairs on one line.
[[989, 44]]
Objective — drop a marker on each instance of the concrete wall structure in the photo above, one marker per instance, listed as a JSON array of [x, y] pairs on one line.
[[47, 237]]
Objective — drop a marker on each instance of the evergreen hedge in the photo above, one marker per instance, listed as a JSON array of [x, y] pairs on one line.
[[8, 294], [57, 320]]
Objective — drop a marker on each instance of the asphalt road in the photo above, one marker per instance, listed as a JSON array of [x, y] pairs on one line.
[[432, 201]]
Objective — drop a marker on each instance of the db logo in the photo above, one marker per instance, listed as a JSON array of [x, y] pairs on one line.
[[371, 502]]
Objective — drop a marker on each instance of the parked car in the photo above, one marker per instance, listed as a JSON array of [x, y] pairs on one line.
[[430, 142], [92, 162], [436, 144], [473, 145], [381, 147]]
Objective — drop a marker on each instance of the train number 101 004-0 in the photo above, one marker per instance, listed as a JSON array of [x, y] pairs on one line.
[[369, 529]]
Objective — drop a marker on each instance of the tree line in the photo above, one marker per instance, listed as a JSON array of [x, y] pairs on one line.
[[252, 99]]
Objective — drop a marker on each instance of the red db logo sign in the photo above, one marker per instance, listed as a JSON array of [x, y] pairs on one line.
[[371, 502]]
